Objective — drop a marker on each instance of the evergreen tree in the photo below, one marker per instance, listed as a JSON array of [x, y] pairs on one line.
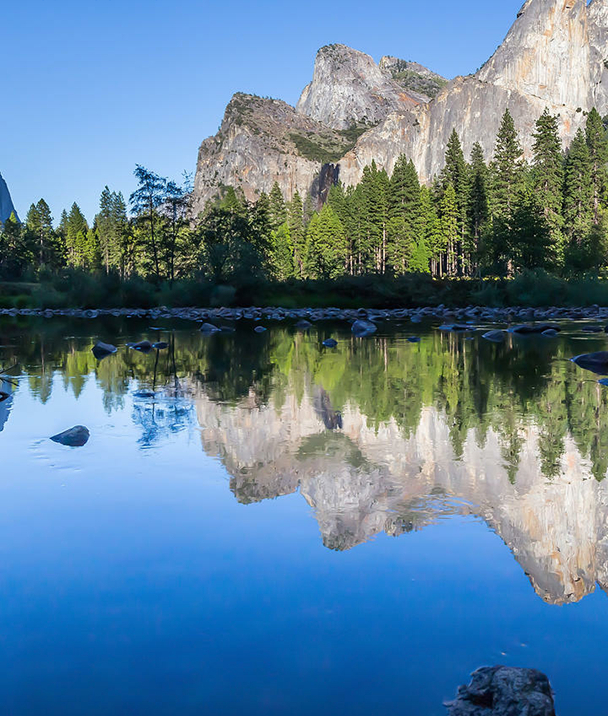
[[278, 210], [145, 201], [455, 173], [76, 228], [507, 173], [478, 207], [597, 143], [530, 243], [578, 193], [405, 216], [448, 231], [548, 176], [326, 248], [39, 225], [282, 254]]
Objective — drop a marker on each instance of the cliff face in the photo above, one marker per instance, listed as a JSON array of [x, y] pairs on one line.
[[6, 203], [364, 479], [349, 89], [555, 56]]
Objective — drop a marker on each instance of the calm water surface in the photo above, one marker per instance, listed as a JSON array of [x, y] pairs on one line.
[[286, 529]]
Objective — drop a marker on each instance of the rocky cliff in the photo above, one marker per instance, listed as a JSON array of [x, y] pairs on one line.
[[555, 56], [6, 203]]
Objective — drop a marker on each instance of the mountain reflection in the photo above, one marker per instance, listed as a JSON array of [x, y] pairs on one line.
[[379, 435]]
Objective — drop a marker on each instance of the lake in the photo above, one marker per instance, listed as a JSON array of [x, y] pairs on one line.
[[282, 528]]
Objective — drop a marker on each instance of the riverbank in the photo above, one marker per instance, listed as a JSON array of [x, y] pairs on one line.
[[74, 289], [470, 314]]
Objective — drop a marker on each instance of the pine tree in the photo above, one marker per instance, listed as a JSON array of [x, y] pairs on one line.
[[455, 173], [597, 143], [431, 230], [404, 228], [145, 201], [507, 172], [449, 230], [548, 176], [530, 243], [326, 247], [578, 191], [76, 228], [278, 210], [282, 254], [478, 207], [39, 224]]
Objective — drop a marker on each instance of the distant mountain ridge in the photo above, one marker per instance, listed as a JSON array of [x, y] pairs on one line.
[[555, 55], [6, 203]]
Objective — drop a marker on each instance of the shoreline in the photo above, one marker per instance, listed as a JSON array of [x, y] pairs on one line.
[[278, 314]]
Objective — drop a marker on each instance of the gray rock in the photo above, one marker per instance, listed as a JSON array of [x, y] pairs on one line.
[[594, 362], [103, 350], [260, 329], [550, 333], [362, 328], [74, 437], [303, 325], [160, 346], [330, 343], [413, 339], [494, 336], [142, 347], [504, 691], [209, 328]]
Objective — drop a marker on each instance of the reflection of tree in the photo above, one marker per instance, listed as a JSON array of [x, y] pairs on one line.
[[477, 385]]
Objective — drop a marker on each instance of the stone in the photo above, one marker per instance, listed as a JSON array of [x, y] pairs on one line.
[[160, 346], [303, 325], [209, 328], [504, 691], [260, 329], [550, 333], [74, 437], [413, 339], [6, 203], [144, 394], [362, 328], [494, 336], [103, 350], [594, 362], [330, 343], [592, 329], [142, 347]]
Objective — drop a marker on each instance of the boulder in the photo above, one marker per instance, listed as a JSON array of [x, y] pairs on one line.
[[550, 333], [303, 325], [74, 437], [595, 362], [494, 336], [209, 328], [142, 346], [413, 339], [160, 346], [330, 343], [504, 691], [536, 328], [260, 329], [362, 328], [103, 350]]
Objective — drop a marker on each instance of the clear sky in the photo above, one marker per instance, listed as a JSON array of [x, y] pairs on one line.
[[92, 88]]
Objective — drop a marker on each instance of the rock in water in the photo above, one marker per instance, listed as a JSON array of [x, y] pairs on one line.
[[504, 691], [209, 328], [259, 329], [362, 328], [103, 350], [160, 346], [494, 336], [303, 325], [142, 346], [595, 362], [74, 437], [413, 339], [330, 343]]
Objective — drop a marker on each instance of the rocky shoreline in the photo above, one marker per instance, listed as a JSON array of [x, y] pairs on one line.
[[472, 314]]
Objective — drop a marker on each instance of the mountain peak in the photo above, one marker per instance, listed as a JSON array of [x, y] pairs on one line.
[[6, 203], [349, 89]]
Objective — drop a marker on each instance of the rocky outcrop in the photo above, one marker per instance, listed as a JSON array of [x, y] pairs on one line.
[[6, 203], [262, 141], [350, 90], [504, 691], [555, 56]]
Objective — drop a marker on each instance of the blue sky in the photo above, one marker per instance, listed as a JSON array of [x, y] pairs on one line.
[[90, 89]]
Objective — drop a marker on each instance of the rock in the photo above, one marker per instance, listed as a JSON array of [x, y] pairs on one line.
[[6, 203], [209, 328], [74, 437], [4, 396], [504, 691], [416, 319], [160, 346], [103, 350], [594, 362], [142, 346], [494, 336], [303, 325], [227, 329], [362, 328], [536, 328], [456, 327], [260, 329], [413, 339], [330, 343], [603, 381], [550, 333], [144, 394], [592, 329]]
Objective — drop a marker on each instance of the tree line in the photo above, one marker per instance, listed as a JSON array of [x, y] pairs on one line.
[[477, 218]]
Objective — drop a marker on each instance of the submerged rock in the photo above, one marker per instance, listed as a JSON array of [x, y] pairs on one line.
[[494, 336], [103, 350], [209, 328], [74, 437], [550, 333], [595, 362], [142, 346], [144, 394], [330, 343], [160, 346], [260, 329], [303, 325], [592, 329], [363, 328], [413, 339], [504, 691]]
